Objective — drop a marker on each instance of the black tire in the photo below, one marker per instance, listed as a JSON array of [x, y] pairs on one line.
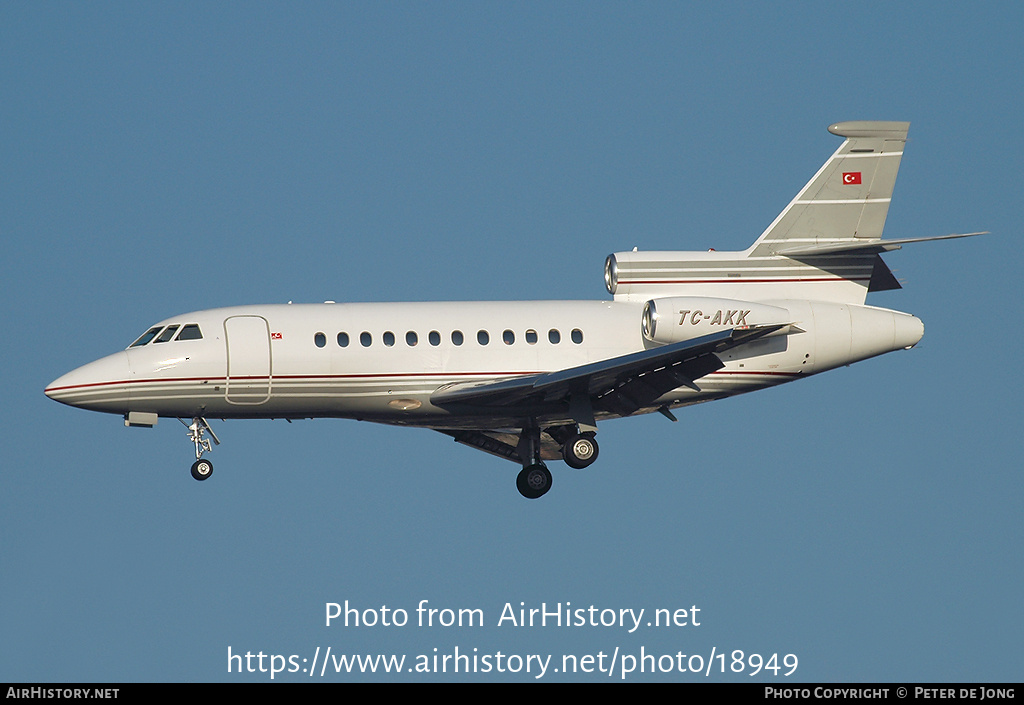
[[202, 469], [534, 481], [580, 451]]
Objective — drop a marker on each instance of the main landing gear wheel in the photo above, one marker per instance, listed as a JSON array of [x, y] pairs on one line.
[[202, 469], [534, 481], [580, 451]]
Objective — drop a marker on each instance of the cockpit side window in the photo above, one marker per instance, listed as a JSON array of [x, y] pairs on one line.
[[146, 337], [168, 333], [190, 332]]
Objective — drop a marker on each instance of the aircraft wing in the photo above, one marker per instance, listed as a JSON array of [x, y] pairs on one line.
[[621, 385]]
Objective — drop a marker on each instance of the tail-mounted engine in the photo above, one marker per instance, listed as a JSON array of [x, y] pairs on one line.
[[678, 318]]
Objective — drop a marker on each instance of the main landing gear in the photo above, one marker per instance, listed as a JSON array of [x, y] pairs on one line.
[[201, 469], [579, 450], [535, 479]]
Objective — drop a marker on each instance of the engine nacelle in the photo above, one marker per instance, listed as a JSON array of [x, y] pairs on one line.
[[678, 318]]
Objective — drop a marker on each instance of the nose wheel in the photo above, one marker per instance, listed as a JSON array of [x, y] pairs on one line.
[[201, 469]]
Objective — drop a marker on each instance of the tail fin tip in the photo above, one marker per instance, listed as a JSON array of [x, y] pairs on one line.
[[886, 129]]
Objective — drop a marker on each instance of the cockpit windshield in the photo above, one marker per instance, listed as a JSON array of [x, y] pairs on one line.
[[145, 337], [188, 332], [166, 335]]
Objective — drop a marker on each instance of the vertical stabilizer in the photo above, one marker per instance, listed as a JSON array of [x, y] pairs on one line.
[[848, 199]]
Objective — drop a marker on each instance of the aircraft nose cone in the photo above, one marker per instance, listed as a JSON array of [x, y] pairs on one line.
[[909, 330], [101, 385]]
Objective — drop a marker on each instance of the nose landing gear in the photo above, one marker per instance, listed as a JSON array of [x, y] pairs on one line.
[[201, 469]]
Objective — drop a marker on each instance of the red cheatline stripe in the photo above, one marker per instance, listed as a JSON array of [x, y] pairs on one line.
[[124, 381], [758, 374], [285, 377], [362, 376], [740, 280]]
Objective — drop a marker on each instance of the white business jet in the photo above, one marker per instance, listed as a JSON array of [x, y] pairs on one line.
[[528, 381]]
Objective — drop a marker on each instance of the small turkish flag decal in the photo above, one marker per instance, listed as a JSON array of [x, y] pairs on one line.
[[851, 177]]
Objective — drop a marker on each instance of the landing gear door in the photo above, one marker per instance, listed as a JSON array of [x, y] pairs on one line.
[[249, 362]]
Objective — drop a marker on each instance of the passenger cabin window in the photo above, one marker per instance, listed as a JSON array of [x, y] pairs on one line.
[[190, 332], [412, 339]]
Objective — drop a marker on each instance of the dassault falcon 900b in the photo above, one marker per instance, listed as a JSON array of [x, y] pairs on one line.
[[529, 380]]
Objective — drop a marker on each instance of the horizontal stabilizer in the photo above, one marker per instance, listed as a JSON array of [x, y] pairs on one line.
[[869, 247]]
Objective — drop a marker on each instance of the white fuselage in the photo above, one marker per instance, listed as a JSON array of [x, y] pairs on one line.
[[383, 361]]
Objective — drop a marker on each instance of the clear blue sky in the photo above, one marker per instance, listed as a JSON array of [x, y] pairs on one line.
[[159, 158]]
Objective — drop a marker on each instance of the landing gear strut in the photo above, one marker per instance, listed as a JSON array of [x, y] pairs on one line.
[[201, 469]]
